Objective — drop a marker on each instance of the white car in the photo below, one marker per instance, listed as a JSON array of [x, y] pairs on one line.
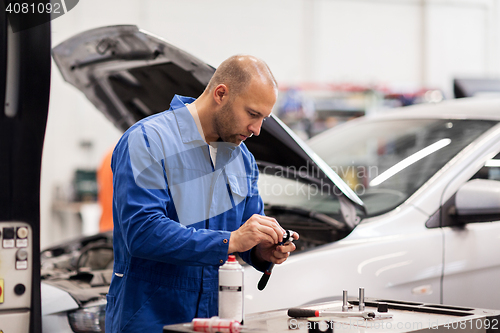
[[429, 176], [414, 217]]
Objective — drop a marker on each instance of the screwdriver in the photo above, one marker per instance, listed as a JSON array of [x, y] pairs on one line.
[[301, 313]]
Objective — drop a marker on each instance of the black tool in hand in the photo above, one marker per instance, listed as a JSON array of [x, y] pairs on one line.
[[287, 237]]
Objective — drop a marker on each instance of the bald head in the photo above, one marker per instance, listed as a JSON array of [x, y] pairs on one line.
[[240, 95], [238, 71]]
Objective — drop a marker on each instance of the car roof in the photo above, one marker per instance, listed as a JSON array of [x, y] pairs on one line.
[[465, 108]]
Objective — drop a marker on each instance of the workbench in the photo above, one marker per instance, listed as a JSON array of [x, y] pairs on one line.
[[406, 317]]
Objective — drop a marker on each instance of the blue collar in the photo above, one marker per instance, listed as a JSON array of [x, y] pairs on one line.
[[187, 126], [189, 131]]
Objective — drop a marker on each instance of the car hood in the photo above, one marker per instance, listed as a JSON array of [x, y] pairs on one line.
[[56, 300], [129, 74]]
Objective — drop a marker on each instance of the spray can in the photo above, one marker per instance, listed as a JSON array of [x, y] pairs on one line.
[[231, 290]]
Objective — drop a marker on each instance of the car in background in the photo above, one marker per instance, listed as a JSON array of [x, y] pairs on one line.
[[75, 279], [405, 203], [429, 178]]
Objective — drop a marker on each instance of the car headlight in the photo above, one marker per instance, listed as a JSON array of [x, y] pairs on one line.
[[88, 319]]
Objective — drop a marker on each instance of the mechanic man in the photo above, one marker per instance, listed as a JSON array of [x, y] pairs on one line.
[[185, 196]]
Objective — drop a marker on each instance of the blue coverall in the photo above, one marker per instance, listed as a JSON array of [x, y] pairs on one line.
[[173, 213]]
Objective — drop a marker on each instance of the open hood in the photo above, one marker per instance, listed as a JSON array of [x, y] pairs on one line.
[[129, 74]]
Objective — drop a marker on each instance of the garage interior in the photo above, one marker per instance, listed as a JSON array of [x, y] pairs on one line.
[[393, 104], [338, 59]]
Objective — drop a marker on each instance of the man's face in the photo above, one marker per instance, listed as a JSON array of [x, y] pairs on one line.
[[242, 116]]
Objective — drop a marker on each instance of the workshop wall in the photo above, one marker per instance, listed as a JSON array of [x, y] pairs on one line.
[[400, 43]]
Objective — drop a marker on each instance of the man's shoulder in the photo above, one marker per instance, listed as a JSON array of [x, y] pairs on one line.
[[153, 122], [158, 120], [155, 119], [155, 130]]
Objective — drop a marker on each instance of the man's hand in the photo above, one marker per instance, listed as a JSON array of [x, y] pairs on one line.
[[257, 229], [277, 254], [264, 233]]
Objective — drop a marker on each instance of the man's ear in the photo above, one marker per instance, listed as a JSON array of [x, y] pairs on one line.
[[220, 93]]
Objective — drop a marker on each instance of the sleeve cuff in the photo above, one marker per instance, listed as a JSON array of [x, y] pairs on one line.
[[251, 258], [222, 254]]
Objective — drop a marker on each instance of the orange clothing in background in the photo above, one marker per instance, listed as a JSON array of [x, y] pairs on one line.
[[105, 193]]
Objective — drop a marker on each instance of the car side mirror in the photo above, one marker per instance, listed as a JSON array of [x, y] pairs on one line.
[[478, 200]]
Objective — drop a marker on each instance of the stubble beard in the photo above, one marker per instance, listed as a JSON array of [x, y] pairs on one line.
[[224, 125]]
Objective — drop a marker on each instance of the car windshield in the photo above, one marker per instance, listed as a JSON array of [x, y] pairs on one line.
[[386, 161]]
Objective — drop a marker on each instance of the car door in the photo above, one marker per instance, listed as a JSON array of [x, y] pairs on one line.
[[472, 240]]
